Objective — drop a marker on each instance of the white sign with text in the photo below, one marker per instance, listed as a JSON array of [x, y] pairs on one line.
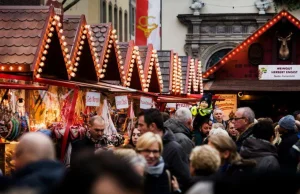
[[121, 102], [279, 72], [145, 103], [92, 99]]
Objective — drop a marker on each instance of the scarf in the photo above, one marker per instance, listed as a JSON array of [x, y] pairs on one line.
[[158, 169], [99, 143]]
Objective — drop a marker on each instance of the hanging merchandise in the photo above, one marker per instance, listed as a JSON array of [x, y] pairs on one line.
[[109, 125]]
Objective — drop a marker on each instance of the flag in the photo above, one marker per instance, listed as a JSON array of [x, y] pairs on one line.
[[148, 23]]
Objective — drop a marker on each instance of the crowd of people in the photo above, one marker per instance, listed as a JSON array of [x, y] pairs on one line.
[[168, 155]]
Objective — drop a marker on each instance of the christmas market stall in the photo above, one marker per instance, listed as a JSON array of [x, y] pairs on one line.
[[32, 50], [262, 70]]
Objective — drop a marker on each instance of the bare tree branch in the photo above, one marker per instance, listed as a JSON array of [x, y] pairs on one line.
[[63, 2], [74, 2]]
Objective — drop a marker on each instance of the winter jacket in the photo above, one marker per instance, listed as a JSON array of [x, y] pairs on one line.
[[263, 152], [286, 160], [199, 138], [158, 184], [176, 159], [246, 134], [182, 134], [44, 176]]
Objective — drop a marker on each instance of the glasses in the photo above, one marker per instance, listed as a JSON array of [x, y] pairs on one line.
[[237, 118], [147, 151]]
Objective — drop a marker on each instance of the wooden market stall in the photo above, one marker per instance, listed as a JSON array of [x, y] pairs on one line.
[[263, 69]]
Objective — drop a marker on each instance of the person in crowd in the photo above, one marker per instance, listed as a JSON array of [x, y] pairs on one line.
[[181, 126], [204, 162], [215, 131], [202, 132], [260, 147], [243, 121], [166, 116], [102, 173], [288, 138], [135, 134], [36, 167], [94, 138], [218, 116], [231, 161], [217, 125], [233, 133], [158, 177], [173, 154]]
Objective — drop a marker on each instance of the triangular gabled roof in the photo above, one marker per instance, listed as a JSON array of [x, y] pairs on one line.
[[152, 70], [133, 67], [84, 58], [30, 42], [111, 63], [250, 39]]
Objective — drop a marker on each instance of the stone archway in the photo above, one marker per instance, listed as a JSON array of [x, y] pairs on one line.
[[211, 50]]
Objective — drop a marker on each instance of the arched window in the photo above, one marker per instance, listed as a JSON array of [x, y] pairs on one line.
[[116, 18], [126, 26], [217, 56], [110, 12], [103, 12], [120, 25]]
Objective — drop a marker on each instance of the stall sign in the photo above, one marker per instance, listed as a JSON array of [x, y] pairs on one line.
[[92, 99], [180, 105], [171, 105], [121, 102], [279, 72], [145, 103], [228, 105]]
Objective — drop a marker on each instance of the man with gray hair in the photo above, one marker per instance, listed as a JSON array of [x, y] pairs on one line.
[[243, 121], [36, 167], [181, 125]]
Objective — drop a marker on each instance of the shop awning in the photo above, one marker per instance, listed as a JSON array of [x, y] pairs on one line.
[[174, 99]]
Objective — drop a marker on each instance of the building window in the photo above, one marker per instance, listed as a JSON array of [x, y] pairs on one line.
[[217, 56], [103, 12], [132, 18], [120, 25], [110, 12], [116, 18], [126, 26]]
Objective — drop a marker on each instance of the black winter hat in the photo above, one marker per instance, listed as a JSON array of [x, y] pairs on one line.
[[207, 97]]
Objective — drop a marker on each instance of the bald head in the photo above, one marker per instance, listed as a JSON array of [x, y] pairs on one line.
[[34, 147]]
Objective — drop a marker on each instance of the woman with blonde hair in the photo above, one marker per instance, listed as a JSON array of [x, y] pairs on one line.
[[158, 178], [231, 161]]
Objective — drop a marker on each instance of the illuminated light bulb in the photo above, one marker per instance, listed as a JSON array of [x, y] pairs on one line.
[[100, 70], [71, 68], [78, 53], [112, 37], [48, 40], [129, 74], [77, 58], [131, 65], [69, 62], [128, 84], [97, 60], [43, 58], [122, 67], [40, 70], [65, 43], [50, 34], [76, 64], [124, 77], [20, 68], [130, 70], [108, 51], [102, 76], [94, 49], [46, 46], [110, 41], [63, 37], [82, 42], [45, 52], [116, 41], [107, 56], [37, 75], [109, 46], [2, 68], [120, 57], [105, 65], [73, 74], [51, 29], [59, 25], [96, 54], [84, 31], [113, 31], [116, 36], [105, 61], [128, 79], [42, 64], [123, 72], [54, 23], [68, 56], [83, 37], [103, 70], [57, 17], [141, 71], [139, 62], [118, 47], [66, 50], [80, 47]]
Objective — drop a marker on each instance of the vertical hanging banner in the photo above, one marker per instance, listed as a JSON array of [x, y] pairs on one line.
[[148, 24]]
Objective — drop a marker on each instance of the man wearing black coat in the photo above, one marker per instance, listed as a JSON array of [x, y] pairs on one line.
[[181, 126], [173, 154]]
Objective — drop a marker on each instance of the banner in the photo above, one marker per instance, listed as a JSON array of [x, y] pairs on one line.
[[145, 103], [121, 102], [148, 23], [92, 99], [180, 105], [279, 72], [228, 105]]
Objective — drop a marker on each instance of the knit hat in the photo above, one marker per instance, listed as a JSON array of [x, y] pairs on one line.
[[287, 122], [207, 97]]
